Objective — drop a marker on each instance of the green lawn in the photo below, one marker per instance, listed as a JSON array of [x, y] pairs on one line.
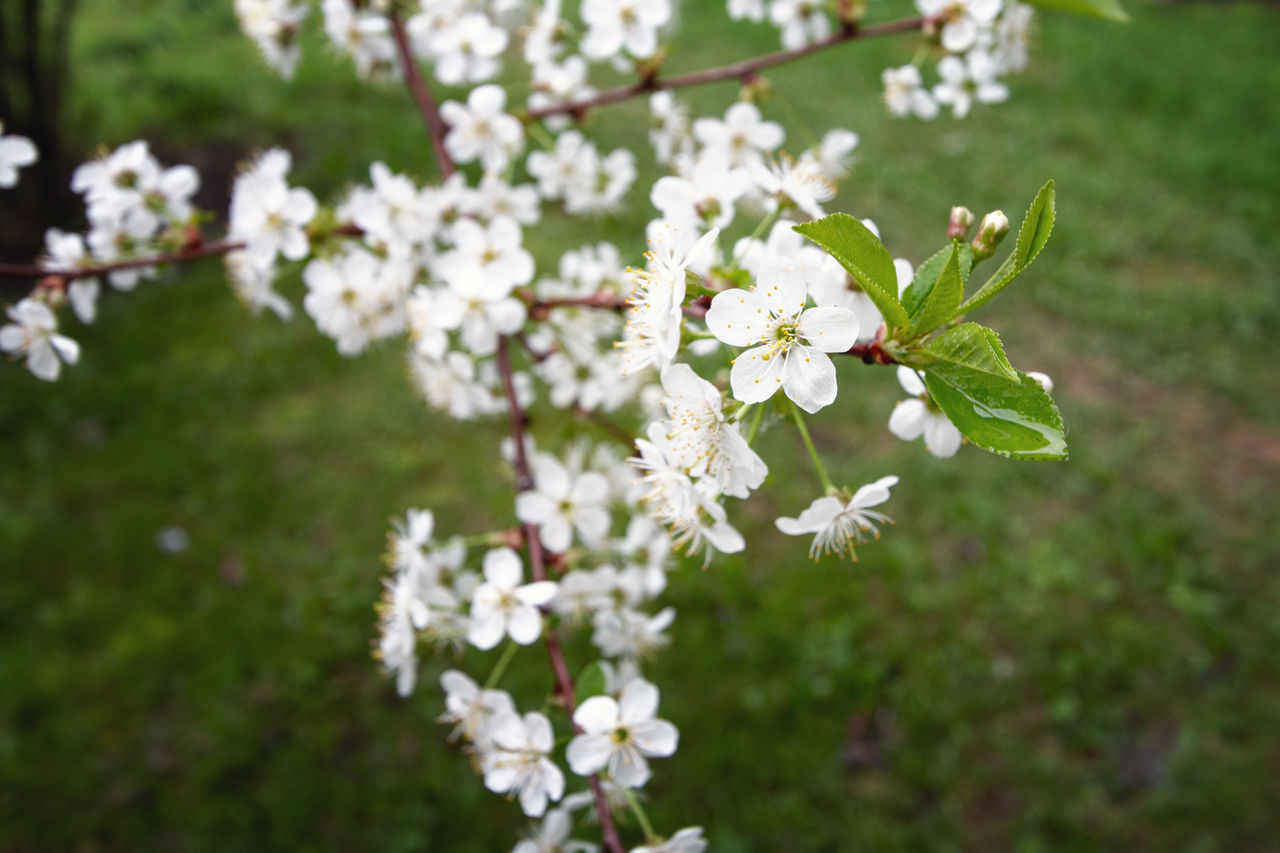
[[1037, 656]]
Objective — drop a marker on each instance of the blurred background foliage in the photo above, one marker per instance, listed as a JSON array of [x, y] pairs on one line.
[[1038, 656]]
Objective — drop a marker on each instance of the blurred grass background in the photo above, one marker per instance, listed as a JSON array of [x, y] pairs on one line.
[[1077, 656]]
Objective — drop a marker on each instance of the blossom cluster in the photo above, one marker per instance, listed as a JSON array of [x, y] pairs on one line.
[[732, 321]]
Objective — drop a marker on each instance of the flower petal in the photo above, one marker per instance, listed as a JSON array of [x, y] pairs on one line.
[[756, 374]]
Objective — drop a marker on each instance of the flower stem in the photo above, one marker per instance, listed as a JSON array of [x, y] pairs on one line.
[[765, 225], [755, 426], [813, 451], [539, 133], [649, 835], [501, 666]]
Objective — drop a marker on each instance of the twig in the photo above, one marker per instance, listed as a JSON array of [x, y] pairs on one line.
[[421, 93], [744, 68], [538, 567]]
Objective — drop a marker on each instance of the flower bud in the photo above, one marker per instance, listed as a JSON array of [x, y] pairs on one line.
[[960, 223], [990, 232], [1043, 378]]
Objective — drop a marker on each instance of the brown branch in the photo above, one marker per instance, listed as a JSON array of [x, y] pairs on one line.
[[421, 93], [538, 567], [194, 252], [738, 70]]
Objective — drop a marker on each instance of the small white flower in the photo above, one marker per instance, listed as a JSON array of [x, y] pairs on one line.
[[801, 21], [656, 316], [742, 138], [481, 130], [789, 343], [920, 416], [904, 93], [965, 81], [838, 524], [617, 735], [552, 836], [560, 503], [15, 152], [486, 263], [704, 442], [518, 763], [687, 840], [33, 333], [614, 25], [470, 709], [502, 606]]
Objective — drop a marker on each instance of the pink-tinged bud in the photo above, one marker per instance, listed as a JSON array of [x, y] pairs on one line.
[[990, 232], [960, 223]]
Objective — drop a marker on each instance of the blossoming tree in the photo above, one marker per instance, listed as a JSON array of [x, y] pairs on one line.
[[708, 339]]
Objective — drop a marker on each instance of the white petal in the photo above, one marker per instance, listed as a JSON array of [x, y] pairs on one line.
[[597, 715], [502, 568], [907, 420], [781, 284], [486, 629], [756, 375], [829, 329], [524, 624], [639, 702], [809, 378], [656, 738], [940, 437], [738, 317], [589, 753]]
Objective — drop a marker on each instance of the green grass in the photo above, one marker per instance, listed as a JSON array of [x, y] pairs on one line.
[[1076, 656]]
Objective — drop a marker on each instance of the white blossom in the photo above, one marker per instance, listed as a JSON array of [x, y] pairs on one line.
[[518, 762], [839, 524], [15, 153], [481, 130], [503, 606], [618, 735], [920, 416], [789, 343], [33, 332]]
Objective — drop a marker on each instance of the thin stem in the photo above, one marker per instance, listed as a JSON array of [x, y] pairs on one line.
[[813, 451], [538, 567], [501, 666], [539, 133], [755, 426], [764, 225], [200, 250], [638, 810], [421, 93], [731, 71]]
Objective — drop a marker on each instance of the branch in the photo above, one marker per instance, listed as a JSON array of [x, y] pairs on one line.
[[190, 253], [739, 70], [421, 95], [538, 566]]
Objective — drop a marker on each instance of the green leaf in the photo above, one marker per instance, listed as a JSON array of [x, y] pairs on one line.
[[591, 681], [864, 256], [1109, 9], [943, 299], [1014, 419], [927, 275], [1034, 232], [973, 346]]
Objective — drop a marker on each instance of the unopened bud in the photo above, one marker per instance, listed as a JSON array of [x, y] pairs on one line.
[[990, 232], [1043, 378], [960, 223]]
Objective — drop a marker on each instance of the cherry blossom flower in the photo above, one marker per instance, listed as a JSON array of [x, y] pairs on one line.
[[801, 21], [789, 343], [615, 25], [470, 709], [502, 606], [687, 840], [962, 20], [965, 81], [517, 761], [481, 130], [904, 93], [920, 416], [742, 138], [837, 523], [552, 836], [703, 441], [618, 735], [15, 153], [273, 26], [486, 263], [561, 503], [33, 332], [656, 316]]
